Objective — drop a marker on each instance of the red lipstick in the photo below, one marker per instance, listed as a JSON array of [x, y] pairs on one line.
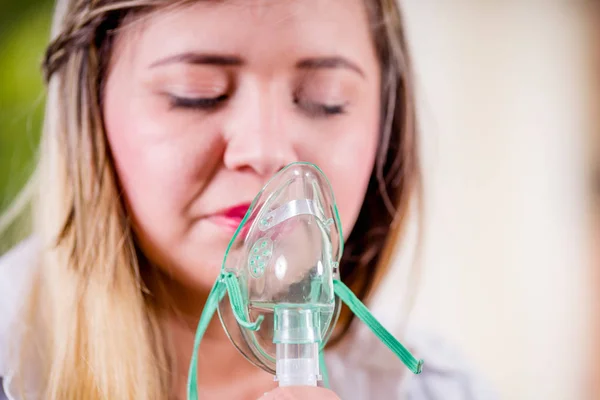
[[231, 217], [238, 212]]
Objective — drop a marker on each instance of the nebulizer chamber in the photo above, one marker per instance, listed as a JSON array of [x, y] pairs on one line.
[[285, 257]]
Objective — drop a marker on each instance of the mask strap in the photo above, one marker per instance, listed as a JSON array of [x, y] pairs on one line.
[[237, 303], [225, 282], [323, 368], [216, 294], [363, 313]]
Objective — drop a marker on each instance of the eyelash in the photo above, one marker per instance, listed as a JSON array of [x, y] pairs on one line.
[[200, 103], [321, 110], [210, 103]]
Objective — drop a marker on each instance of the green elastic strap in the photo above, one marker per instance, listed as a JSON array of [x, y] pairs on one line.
[[216, 294], [225, 282], [237, 303], [359, 309], [323, 368]]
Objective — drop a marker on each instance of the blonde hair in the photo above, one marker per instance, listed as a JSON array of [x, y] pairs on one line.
[[102, 336]]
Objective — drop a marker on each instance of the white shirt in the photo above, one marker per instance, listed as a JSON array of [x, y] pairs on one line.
[[358, 370]]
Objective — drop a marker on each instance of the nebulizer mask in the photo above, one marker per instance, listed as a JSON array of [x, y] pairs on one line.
[[279, 291]]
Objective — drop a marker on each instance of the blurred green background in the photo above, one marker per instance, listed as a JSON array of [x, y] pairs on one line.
[[24, 33]]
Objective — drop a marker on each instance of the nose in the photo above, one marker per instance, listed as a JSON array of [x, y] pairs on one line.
[[256, 136]]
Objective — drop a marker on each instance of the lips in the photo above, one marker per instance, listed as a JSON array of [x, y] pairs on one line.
[[230, 218], [236, 213]]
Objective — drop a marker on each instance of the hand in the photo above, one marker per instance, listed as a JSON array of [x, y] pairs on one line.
[[300, 393]]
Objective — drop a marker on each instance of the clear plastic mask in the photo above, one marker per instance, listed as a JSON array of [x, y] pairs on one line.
[[285, 255], [278, 294]]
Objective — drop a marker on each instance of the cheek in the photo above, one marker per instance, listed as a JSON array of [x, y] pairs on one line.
[[347, 159], [350, 179], [160, 162]]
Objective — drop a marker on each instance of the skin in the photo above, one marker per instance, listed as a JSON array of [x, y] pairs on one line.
[[295, 81]]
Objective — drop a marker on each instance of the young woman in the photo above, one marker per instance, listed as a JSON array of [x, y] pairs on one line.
[[164, 119]]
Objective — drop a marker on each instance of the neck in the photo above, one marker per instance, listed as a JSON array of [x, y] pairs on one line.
[[218, 360]]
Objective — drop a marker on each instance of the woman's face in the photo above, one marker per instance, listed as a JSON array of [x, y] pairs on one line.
[[203, 104]]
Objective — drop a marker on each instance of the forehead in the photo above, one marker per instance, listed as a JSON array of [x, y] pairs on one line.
[[259, 27]]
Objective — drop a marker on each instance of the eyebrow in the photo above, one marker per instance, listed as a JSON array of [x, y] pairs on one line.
[[225, 60], [199, 59], [329, 62]]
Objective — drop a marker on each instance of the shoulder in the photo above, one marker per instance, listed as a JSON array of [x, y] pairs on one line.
[[365, 370], [449, 375], [16, 268]]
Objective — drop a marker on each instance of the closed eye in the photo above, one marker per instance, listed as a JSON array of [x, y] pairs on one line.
[[319, 109], [200, 103]]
